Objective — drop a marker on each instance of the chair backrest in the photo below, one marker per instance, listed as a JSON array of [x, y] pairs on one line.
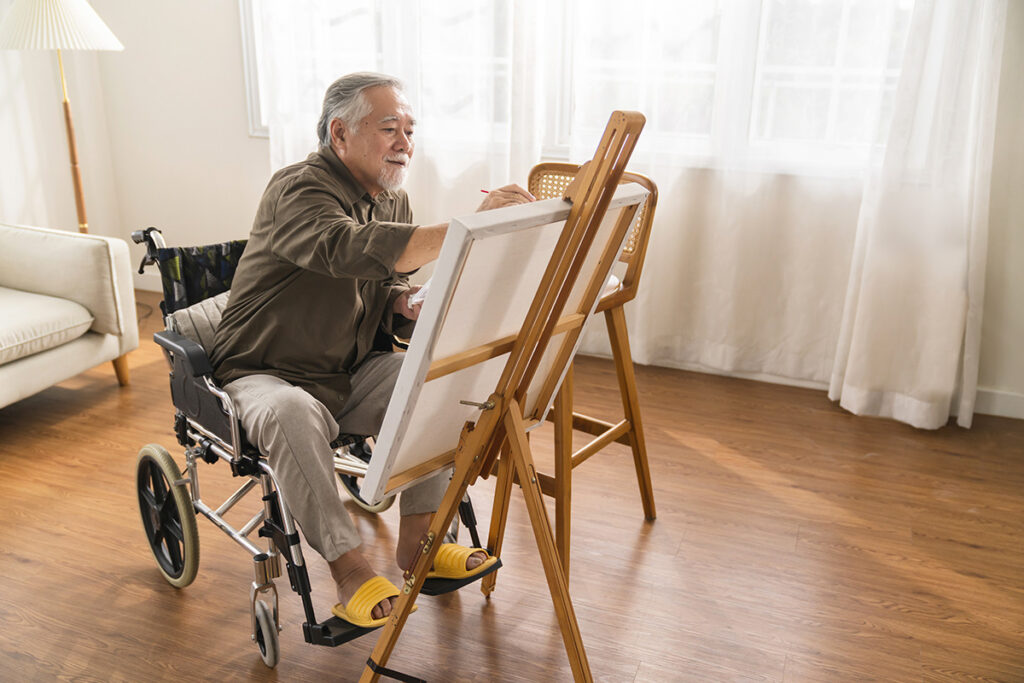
[[550, 179], [192, 274]]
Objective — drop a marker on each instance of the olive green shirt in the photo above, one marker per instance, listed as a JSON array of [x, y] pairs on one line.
[[314, 290]]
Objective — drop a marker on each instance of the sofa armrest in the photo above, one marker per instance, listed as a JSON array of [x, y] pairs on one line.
[[91, 270]]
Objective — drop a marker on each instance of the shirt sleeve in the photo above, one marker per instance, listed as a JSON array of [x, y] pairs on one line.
[[312, 230]]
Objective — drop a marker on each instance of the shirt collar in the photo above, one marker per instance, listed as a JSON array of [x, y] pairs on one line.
[[351, 190]]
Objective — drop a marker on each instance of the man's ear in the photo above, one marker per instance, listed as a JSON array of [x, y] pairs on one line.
[[338, 132]]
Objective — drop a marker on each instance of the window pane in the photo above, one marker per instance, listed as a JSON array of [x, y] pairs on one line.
[[464, 68], [663, 62], [792, 108], [801, 32], [825, 74]]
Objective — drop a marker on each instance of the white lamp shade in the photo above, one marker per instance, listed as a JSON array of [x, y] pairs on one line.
[[55, 25]]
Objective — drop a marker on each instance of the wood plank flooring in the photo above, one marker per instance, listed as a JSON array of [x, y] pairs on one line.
[[794, 542]]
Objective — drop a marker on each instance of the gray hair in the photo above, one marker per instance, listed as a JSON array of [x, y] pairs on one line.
[[344, 100]]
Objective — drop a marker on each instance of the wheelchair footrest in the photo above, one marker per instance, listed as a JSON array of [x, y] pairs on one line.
[[333, 632]]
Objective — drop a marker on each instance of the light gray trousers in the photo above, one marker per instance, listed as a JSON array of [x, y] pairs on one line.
[[294, 430]]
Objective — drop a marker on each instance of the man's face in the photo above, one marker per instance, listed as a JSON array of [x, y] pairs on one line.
[[378, 151]]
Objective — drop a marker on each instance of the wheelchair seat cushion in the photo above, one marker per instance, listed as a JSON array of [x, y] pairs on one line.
[[199, 321]]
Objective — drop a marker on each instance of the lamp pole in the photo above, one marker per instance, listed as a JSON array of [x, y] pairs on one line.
[[76, 175]]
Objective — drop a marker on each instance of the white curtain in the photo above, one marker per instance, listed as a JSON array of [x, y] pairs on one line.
[[909, 340], [763, 117]]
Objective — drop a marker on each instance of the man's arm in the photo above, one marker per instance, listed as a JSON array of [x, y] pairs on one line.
[[425, 243], [423, 247]]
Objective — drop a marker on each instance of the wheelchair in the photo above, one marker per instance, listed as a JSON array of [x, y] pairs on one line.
[[196, 282]]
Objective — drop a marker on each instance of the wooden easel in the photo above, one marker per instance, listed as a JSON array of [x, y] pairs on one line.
[[499, 437]]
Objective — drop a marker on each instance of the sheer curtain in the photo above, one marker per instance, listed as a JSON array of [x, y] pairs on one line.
[[761, 120], [911, 327], [763, 117]]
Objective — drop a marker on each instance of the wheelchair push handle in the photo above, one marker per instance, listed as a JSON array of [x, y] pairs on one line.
[[154, 240]]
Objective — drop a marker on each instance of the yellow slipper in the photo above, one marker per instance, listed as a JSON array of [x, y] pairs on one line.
[[359, 609], [450, 562]]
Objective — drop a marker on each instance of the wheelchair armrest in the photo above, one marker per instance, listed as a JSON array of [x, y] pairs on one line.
[[191, 384], [196, 362]]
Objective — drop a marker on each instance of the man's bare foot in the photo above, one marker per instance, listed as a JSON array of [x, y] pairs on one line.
[[410, 529], [350, 571]]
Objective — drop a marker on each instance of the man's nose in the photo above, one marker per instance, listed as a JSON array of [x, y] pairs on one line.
[[404, 142]]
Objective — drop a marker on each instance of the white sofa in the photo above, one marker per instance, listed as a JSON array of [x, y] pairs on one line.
[[66, 304]]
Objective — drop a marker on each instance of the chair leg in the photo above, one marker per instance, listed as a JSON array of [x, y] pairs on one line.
[[121, 370], [615, 318], [563, 469]]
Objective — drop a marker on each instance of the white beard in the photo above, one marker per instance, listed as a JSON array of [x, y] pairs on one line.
[[392, 176]]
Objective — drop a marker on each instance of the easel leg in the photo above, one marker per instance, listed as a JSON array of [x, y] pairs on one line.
[[563, 468], [615, 319], [439, 524], [499, 517], [523, 461]]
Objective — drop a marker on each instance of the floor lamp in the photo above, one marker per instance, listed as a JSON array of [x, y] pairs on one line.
[[59, 25]]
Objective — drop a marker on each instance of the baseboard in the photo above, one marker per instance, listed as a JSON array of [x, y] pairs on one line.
[[999, 403], [754, 376]]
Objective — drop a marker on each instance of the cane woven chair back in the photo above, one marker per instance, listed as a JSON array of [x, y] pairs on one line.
[[550, 179]]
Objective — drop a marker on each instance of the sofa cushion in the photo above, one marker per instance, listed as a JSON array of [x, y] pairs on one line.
[[30, 323]]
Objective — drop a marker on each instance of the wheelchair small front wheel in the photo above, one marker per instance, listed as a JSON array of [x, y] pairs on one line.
[[167, 515], [266, 634]]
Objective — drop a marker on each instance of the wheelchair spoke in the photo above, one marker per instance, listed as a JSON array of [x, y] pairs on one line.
[[173, 547], [168, 511], [159, 484], [156, 491], [172, 527], [150, 499]]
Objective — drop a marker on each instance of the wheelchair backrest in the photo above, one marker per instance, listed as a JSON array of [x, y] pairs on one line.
[[191, 274]]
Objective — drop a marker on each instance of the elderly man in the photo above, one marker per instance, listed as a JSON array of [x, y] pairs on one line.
[[304, 346]]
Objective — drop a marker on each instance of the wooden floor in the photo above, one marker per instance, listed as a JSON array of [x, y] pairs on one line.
[[794, 542]]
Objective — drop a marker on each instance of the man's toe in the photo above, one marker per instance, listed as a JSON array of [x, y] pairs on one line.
[[475, 560], [382, 609]]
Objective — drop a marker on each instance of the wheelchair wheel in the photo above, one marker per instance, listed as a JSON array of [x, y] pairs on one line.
[[167, 516], [266, 634], [361, 450]]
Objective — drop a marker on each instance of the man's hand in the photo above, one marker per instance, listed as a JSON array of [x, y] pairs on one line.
[[510, 195], [402, 306]]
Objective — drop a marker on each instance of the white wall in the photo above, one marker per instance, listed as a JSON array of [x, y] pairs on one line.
[[1001, 374], [163, 138]]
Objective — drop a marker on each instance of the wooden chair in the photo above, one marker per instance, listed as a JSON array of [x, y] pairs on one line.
[[547, 180]]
